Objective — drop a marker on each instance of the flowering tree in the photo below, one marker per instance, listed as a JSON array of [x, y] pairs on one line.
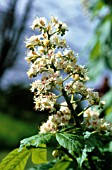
[[80, 140]]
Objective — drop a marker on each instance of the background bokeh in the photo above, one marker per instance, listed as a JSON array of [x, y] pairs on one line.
[[90, 35]]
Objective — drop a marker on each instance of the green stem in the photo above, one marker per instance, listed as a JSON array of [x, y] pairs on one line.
[[67, 77], [72, 98], [59, 95], [84, 110], [54, 33]]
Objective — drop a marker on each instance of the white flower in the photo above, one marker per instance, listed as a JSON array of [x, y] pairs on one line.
[[69, 54], [93, 97], [61, 25], [41, 49], [55, 39], [35, 85], [91, 113], [43, 102], [46, 42], [32, 71], [69, 87], [64, 26], [31, 55], [58, 54], [54, 20], [104, 125], [92, 120], [64, 108], [41, 64], [48, 127], [33, 40], [37, 22]]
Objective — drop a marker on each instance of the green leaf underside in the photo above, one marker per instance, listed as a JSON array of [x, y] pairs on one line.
[[81, 159], [16, 160], [39, 155], [35, 140], [69, 141]]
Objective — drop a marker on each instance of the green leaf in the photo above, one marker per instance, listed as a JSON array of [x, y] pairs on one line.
[[88, 147], [15, 160], [108, 98], [39, 155], [110, 146], [94, 68], [91, 141], [99, 5], [62, 164], [104, 26], [95, 52], [35, 140], [69, 141], [108, 115], [81, 159]]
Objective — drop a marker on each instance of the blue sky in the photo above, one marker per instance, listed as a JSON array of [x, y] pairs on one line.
[[71, 12]]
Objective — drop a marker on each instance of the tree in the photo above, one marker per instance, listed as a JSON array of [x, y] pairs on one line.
[[12, 27]]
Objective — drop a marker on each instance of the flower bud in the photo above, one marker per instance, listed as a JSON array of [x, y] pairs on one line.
[[55, 153]]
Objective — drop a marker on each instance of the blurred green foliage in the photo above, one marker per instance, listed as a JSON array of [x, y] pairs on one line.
[[13, 130], [108, 106], [18, 119], [100, 47], [17, 101]]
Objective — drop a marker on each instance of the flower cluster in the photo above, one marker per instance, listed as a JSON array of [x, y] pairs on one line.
[[50, 57], [61, 118], [92, 121]]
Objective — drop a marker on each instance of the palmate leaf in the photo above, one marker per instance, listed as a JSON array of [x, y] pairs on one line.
[[91, 141], [84, 154], [35, 140], [39, 155], [69, 141], [81, 159], [17, 160]]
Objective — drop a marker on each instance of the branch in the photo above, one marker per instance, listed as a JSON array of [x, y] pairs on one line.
[[70, 156], [70, 107], [91, 164]]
